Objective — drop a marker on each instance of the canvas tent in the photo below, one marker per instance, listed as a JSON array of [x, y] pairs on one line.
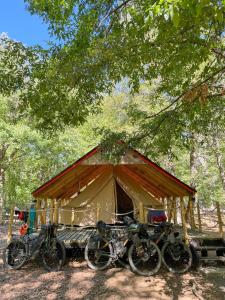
[[95, 189]]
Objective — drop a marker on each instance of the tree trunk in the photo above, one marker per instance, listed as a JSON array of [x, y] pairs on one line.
[[219, 159], [193, 172], [2, 195], [3, 151]]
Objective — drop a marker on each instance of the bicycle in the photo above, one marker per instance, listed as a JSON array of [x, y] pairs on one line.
[[106, 247], [176, 254], [46, 246]]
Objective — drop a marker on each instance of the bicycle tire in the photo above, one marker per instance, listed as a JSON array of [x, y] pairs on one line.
[[61, 256], [91, 250], [11, 247], [166, 259], [154, 259]]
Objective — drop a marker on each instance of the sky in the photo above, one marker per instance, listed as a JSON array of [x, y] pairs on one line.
[[20, 25]]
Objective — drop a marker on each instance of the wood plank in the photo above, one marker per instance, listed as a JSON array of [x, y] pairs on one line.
[[161, 192], [143, 182], [164, 183], [79, 235], [76, 187], [61, 182]]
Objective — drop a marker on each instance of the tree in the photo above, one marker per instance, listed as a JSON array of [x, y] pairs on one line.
[[27, 157], [98, 44]]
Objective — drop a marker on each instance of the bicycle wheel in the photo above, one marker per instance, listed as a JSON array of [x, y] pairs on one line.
[[14, 255], [177, 257], [144, 257], [53, 256], [124, 261], [98, 253]]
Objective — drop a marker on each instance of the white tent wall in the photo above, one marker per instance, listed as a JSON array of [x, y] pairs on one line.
[[136, 192], [97, 199]]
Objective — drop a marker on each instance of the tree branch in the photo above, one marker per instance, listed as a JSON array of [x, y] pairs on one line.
[[112, 11], [180, 96], [218, 52]]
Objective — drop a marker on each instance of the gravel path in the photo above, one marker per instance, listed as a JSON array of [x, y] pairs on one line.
[[77, 281]]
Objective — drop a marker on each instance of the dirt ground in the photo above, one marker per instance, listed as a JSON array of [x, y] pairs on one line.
[[77, 281]]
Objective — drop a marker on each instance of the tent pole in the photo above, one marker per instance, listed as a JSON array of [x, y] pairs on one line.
[[141, 212], [187, 211], [183, 218], [72, 218], [115, 195], [10, 223], [51, 210], [175, 210], [41, 212], [44, 210], [170, 208], [192, 218], [162, 200], [59, 210], [199, 217], [56, 212], [220, 222], [38, 208], [167, 206]]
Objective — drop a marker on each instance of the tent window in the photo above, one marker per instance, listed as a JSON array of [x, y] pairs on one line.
[[124, 202]]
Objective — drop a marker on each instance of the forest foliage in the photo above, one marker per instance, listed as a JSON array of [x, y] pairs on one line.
[[149, 72]]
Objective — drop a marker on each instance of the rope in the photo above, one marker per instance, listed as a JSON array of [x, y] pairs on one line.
[[89, 209]]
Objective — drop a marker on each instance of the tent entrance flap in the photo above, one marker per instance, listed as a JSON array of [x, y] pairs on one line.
[[124, 202]]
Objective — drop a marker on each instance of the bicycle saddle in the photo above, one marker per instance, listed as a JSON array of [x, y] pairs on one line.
[[102, 227], [128, 220]]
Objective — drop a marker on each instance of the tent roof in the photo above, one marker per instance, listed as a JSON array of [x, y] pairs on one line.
[[154, 179]]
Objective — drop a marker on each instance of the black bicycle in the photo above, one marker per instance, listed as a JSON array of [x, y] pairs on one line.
[[106, 247], [176, 254], [45, 246]]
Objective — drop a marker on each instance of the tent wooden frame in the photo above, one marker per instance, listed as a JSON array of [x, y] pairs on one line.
[[156, 181]]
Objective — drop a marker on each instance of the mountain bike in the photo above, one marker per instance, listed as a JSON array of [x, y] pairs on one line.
[[45, 246], [176, 254], [106, 247]]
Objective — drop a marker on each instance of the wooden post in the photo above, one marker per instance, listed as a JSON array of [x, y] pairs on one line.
[[44, 211], [10, 223], [51, 210], [41, 212], [199, 217], [141, 212], [170, 206], [145, 214], [187, 211], [163, 203], [220, 222], [59, 211], [167, 207], [175, 210], [72, 218], [37, 212], [56, 212], [191, 210], [183, 218]]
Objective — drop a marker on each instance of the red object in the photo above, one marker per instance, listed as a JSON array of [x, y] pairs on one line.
[[159, 219], [23, 229], [21, 216]]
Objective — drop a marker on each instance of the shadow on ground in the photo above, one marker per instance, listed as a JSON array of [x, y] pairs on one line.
[[77, 281]]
